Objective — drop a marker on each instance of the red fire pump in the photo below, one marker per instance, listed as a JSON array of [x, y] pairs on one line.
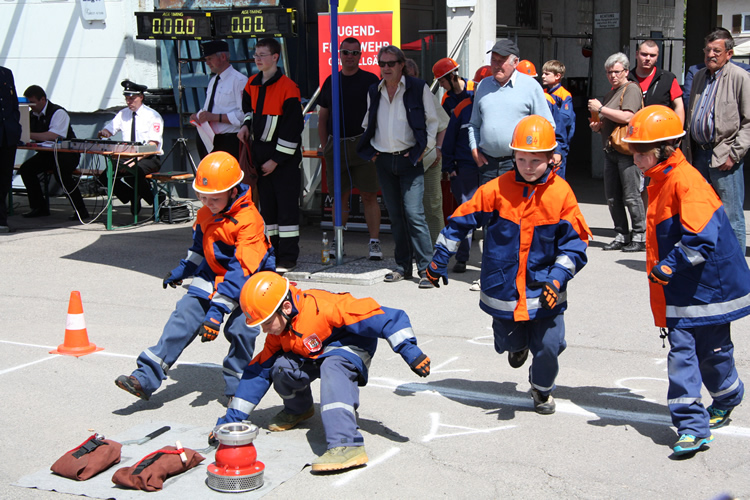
[[236, 468]]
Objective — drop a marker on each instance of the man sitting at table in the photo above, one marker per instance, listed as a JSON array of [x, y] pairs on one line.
[[138, 123], [50, 122]]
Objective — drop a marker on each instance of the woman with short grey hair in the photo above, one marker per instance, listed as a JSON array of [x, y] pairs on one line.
[[622, 179]]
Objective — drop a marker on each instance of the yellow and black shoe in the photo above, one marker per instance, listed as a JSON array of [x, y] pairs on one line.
[[689, 444], [718, 418]]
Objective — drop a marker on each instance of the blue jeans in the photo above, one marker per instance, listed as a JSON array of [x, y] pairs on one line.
[[545, 339], [703, 355], [180, 331], [622, 188], [729, 185], [403, 189], [463, 187]]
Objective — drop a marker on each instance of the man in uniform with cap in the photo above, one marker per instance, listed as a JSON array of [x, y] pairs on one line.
[[223, 106], [500, 102], [138, 123]]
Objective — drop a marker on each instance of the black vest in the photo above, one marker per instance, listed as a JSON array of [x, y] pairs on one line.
[[41, 123], [659, 90], [414, 116]]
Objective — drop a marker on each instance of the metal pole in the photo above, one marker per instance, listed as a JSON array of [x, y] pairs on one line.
[[338, 229]]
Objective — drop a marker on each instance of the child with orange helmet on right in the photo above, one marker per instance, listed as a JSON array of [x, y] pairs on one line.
[[536, 241], [700, 281]]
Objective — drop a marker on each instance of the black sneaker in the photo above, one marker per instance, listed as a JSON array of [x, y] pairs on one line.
[[130, 384], [517, 359], [459, 267], [543, 405]]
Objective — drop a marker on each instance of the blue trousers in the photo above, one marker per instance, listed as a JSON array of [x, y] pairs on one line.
[[545, 339], [729, 185], [494, 168], [463, 187], [402, 185], [180, 331], [703, 354], [339, 393]]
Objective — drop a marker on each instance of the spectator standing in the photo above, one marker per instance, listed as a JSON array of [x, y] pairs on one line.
[[459, 165], [138, 123], [692, 70], [400, 124], [10, 134], [456, 88], [432, 199], [500, 103], [658, 86], [274, 123], [718, 126], [356, 172], [223, 106], [50, 122], [553, 72], [622, 179]]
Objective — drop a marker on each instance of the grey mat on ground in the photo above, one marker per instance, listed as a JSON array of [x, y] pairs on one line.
[[283, 456]]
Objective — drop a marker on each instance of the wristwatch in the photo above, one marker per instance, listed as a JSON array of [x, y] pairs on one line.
[[600, 109]]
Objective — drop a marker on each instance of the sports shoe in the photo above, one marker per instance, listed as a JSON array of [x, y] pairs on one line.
[[376, 253], [130, 384], [689, 443], [518, 358], [425, 283], [284, 267], [459, 267], [543, 405], [283, 421], [718, 418], [476, 286], [332, 250], [339, 458]]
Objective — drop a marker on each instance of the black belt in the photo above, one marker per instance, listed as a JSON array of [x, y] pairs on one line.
[[705, 147], [396, 153]]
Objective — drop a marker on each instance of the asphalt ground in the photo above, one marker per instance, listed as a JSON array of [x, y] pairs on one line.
[[468, 430]]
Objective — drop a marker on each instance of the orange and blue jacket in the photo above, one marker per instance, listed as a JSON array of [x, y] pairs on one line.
[[227, 249], [456, 148], [451, 99], [564, 102], [325, 324], [535, 233], [688, 235], [273, 114]]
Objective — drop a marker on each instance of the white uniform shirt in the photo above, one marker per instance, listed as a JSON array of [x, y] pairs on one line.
[[393, 132], [149, 125], [228, 101], [58, 123]]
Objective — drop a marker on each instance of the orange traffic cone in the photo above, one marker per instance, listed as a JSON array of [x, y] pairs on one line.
[[76, 338]]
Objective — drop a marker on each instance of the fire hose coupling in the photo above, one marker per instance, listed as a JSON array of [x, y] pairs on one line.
[[236, 468], [236, 433]]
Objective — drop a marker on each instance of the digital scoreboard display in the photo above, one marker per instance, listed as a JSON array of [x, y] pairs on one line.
[[255, 23], [174, 25]]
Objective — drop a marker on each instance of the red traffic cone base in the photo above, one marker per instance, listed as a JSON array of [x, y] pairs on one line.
[[76, 338]]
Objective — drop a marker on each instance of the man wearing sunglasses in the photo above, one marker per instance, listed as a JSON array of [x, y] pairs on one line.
[[400, 125], [355, 171]]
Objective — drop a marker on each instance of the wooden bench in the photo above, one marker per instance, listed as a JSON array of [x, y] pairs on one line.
[[162, 181]]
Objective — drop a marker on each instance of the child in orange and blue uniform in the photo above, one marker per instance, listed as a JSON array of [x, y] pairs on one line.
[[535, 242], [553, 72], [317, 334], [229, 245], [700, 281]]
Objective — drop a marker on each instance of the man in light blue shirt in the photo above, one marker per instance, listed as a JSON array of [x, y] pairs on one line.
[[500, 102]]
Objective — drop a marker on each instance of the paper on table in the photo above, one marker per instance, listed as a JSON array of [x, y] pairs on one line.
[[206, 134]]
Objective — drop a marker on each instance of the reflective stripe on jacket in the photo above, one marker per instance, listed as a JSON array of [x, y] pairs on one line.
[[688, 231], [535, 233], [326, 324]]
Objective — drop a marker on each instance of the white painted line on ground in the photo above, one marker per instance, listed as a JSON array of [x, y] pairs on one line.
[[563, 406], [8, 370], [104, 353], [438, 368], [433, 434], [372, 463]]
